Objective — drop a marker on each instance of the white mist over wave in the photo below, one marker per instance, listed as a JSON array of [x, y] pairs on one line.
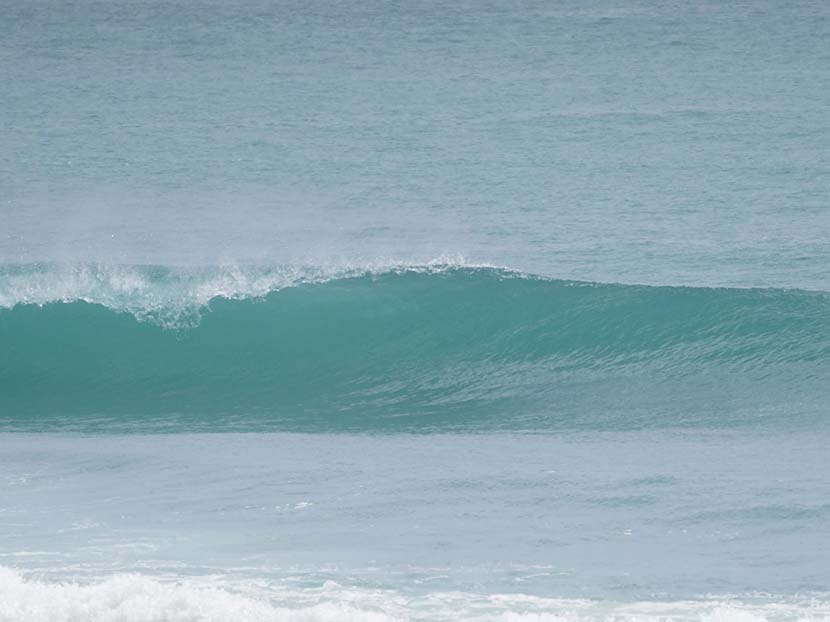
[[135, 598], [175, 296]]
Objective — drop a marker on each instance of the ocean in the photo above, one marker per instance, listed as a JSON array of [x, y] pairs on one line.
[[383, 311]]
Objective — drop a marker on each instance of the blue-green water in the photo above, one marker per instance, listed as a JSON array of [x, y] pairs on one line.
[[439, 348], [384, 311]]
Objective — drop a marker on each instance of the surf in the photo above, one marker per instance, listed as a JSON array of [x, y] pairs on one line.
[[399, 348], [135, 597]]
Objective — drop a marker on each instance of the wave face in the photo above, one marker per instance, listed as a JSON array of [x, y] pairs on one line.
[[400, 348], [136, 598]]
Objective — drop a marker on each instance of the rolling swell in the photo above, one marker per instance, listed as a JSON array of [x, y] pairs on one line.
[[417, 349]]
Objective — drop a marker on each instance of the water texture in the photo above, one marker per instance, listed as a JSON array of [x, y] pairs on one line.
[[414, 311]]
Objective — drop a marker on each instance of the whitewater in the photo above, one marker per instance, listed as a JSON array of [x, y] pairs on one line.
[[131, 598]]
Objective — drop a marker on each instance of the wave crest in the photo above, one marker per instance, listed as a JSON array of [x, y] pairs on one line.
[[175, 297]]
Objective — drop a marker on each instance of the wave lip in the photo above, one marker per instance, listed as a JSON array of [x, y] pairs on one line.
[[174, 297], [415, 347], [129, 598]]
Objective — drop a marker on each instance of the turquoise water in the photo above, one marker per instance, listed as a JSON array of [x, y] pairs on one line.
[[431, 349], [380, 311]]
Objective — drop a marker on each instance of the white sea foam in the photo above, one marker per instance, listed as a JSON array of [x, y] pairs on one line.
[[176, 296], [128, 598], [134, 598]]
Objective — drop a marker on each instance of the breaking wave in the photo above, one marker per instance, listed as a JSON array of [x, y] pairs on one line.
[[399, 347]]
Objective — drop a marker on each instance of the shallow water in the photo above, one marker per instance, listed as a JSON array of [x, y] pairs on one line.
[[618, 516]]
